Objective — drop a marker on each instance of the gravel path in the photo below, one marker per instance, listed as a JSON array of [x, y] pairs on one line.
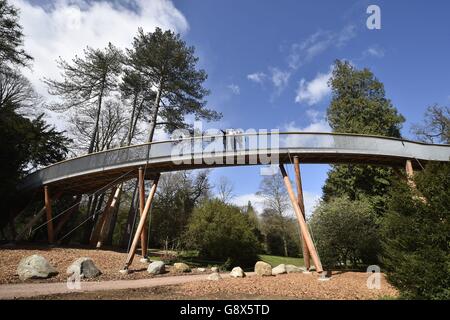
[[26, 290], [141, 285]]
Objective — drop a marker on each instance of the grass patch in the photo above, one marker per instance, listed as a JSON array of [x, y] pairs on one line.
[[276, 260]]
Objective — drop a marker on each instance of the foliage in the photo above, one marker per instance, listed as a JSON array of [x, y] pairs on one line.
[[169, 65], [359, 106], [178, 193], [416, 233], [11, 37], [277, 260], [281, 234], [86, 82], [26, 144], [345, 232], [221, 231], [436, 126]]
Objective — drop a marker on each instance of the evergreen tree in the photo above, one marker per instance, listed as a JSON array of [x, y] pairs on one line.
[[416, 235], [86, 82], [359, 106], [26, 145], [11, 37], [169, 66]]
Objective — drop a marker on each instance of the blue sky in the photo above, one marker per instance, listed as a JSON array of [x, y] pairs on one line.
[[268, 61]]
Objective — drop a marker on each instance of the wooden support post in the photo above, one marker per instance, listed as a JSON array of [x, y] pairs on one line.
[[106, 221], [300, 201], [144, 235], [100, 222], [410, 173], [48, 210], [301, 221], [140, 227]]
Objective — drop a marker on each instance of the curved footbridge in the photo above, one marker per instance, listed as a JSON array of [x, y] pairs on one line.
[[87, 174]]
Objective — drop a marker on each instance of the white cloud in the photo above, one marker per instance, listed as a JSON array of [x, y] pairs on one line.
[[317, 126], [317, 43], [65, 28], [279, 78], [314, 91], [374, 51], [234, 88], [257, 77]]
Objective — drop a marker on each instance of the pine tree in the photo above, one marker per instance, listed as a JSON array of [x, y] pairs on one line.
[[86, 82], [169, 66], [11, 37]]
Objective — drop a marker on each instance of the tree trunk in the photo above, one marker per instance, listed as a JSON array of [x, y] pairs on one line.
[[126, 231], [97, 117], [285, 247], [154, 118]]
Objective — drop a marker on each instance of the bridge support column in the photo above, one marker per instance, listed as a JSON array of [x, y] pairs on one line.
[[140, 227], [301, 221], [144, 235], [48, 210], [106, 223], [410, 173], [300, 201]]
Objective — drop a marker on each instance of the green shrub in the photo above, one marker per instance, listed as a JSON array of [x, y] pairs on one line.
[[416, 233], [221, 231], [346, 232]]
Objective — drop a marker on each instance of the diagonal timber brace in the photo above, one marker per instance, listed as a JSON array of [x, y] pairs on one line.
[[301, 220]]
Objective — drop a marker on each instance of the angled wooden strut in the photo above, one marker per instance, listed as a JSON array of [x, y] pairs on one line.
[[301, 221], [95, 236], [48, 210], [301, 203], [144, 235], [142, 221], [106, 221]]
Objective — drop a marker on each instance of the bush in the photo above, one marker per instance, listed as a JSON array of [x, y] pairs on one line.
[[416, 233], [346, 231], [222, 232]]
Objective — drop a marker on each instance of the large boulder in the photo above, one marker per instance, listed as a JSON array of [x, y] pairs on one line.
[[263, 269], [237, 272], [214, 276], [35, 267], [84, 267], [181, 267], [214, 269], [156, 267], [290, 268], [280, 269]]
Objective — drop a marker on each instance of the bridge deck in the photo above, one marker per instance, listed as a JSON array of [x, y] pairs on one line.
[[88, 173]]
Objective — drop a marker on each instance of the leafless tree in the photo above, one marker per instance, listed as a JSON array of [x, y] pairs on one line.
[[225, 189], [436, 125]]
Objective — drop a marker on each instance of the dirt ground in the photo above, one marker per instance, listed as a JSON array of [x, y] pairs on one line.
[[342, 285], [109, 262]]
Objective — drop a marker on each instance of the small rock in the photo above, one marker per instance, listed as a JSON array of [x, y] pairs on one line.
[[181, 267], [34, 267], [214, 269], [280, 269], [214, 276], [201, 269], [237, 272], [290, 268], [84, 267], [263, 269], [156, 267]]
